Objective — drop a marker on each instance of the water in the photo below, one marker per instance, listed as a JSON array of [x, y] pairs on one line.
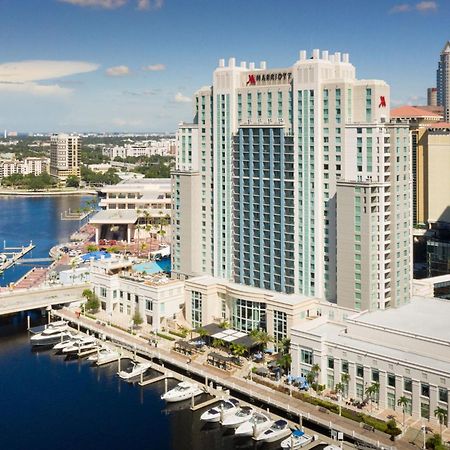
[[164, 265], [38, 219], [47, 402]]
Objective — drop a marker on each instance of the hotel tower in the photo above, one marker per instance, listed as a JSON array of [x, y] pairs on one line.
[[294, 181]]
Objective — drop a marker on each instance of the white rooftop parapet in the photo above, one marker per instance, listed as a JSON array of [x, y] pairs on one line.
[[221, 62], [232, 62], [316, 53], [345, 58], [243, 64], [302, 55], [331, 58], [263, 65], [325, 55], [251, 66], [337, 57]]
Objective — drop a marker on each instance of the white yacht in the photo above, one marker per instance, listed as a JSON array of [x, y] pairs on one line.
[[258, 423], [86, 343], [52, 334], [104, 356], [241, 415], [279, 430], [182, 391], [134, 371], [219, 412], [297, 440], [72, 340]]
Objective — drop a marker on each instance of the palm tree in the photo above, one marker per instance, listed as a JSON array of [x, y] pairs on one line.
[[339, 388], [284, 345], [372, 392], [403, 402], [285, 361], [238, 350], [217, 343], [345, 379], [261, 338], [441, 414]]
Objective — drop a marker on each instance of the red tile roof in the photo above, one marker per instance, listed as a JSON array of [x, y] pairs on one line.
[[412, 111], [439, 125]]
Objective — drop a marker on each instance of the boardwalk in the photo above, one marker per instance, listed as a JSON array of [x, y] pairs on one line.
[[236, 384]]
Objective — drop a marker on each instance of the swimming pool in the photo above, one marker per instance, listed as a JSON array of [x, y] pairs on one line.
[[154, 266]]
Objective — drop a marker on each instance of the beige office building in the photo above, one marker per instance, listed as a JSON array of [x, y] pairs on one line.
[[430, 140], [65, 156]]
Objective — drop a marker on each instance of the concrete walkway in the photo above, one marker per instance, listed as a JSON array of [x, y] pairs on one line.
[[234, 382]]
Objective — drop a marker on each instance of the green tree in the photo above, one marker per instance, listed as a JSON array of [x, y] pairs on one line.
[[441, 415], [218, 343], [91, 248], [403, 402], [345, 379], [339, 388], [72, 181], [238, 350], [92, 302], [261, 338], [284, 345], [285, 361], [372, 392], [137, 318]]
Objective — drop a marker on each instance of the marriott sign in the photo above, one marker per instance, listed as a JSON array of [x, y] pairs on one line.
[[268, 78]]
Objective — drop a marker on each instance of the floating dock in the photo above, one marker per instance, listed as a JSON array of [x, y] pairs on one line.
[[13, 254]]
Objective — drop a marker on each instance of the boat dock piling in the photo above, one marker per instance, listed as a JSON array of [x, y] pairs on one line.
[[16, 254]]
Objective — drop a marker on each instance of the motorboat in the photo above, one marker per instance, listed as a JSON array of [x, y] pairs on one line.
[[241, 415], [52, 334], [104, 355], [297, 440], [182, 391], [279, 430], [82, 345], [68, 343], [134, 370], [258, 423], [219, 412]]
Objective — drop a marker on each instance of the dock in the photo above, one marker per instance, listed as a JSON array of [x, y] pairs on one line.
[[15, 253]]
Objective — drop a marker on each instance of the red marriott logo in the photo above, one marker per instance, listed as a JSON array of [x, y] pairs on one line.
[[382, 102], [251, 80]]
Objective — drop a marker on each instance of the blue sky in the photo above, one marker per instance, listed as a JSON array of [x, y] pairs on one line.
[[132, 65]]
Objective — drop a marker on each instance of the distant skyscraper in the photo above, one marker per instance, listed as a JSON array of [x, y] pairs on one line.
[[432, 96], [65, 156], [443, 81], [265, 156]]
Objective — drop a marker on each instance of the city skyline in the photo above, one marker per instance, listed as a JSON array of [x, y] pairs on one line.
[[117, 65]]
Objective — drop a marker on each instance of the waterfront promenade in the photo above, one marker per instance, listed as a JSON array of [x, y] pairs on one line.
[[236, 383]]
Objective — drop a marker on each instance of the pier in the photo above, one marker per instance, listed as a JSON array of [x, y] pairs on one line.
[[282, 404], [15, 253]]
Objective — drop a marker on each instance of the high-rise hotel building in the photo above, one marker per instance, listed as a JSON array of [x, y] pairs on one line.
[[443, 81], [293, 180], [65, 156]]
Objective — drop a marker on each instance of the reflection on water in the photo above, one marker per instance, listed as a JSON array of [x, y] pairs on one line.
[[38, 219], [48, 402]]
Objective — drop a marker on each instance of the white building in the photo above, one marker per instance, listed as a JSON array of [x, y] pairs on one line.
[[65, 156], [257, 174], [163, 147], [130, 206], [30, 165], [405, 350], [123, 291]]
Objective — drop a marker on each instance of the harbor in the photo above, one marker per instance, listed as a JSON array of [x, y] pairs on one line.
[[11, 255]]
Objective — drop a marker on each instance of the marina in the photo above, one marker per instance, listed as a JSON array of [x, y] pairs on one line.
[[11, 255]]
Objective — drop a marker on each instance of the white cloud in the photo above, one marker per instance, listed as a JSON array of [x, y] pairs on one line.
[[22, 76], [424, 6], [22, 71], [118, 71], [427, 6], [401, 8], [154, 67], [120, 122], [34, 88], [142, 5], [145, 93], [104, 4], [180, 98]]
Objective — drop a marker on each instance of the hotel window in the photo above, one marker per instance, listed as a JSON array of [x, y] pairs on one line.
[[331, 363], [391, 380], [344, 367], [306, 356], [375, 375], [425, 389], [196, 309], [248, 315], [443, 395], [279, 325], [102, 292], [359, 390], [407, 385], [148, 305], [425, 410], [391, 400], [359, 371], [330, 381]]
